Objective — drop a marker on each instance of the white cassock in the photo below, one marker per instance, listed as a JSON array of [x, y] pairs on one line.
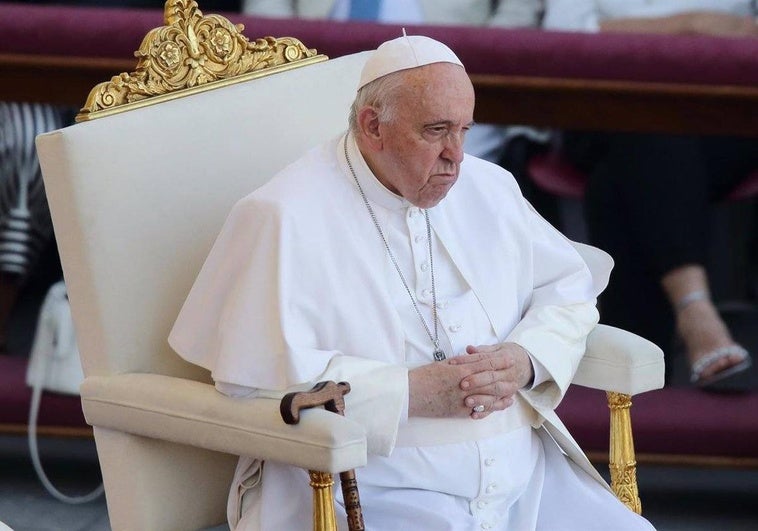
[[299, 288]]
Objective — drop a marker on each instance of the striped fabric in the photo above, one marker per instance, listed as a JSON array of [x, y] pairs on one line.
[[25, 225]]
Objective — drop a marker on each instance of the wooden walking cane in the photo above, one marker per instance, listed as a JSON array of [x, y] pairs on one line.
[[332, 396]]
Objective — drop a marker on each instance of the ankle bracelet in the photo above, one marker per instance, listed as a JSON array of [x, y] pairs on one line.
[[692, 296]]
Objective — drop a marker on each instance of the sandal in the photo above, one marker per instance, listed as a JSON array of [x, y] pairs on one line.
[[732, 378]]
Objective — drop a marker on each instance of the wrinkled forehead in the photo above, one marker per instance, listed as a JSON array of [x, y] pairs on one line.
[[437, 84], [436, 72]]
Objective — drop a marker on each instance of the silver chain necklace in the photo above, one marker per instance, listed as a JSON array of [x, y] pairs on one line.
[[438, 354]]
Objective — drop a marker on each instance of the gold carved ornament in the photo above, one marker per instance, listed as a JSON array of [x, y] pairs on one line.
[[193, 53], [622, 463]]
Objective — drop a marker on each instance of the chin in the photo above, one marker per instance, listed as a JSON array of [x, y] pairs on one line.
[[430, 202], [432, 195]]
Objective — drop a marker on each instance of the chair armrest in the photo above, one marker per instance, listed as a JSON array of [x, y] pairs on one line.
[[620, 361], [194, 413]]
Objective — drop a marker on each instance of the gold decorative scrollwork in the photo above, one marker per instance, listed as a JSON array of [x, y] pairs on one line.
[[622, 463], [624, 482], [190, 52], [619, 400]]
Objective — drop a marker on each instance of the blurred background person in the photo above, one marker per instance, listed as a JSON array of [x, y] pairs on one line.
[[485, 141], [648, 195]]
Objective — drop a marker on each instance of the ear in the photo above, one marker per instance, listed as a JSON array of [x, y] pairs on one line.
[[368, 124]]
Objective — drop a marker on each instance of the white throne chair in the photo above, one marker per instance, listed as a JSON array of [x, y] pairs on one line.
[[138, 190]]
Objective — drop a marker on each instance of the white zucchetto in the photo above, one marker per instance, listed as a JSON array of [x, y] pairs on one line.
[[408, 51]]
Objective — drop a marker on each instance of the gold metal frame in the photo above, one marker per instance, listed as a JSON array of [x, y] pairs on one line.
[[621, 460], [193, 53], [323, 501]]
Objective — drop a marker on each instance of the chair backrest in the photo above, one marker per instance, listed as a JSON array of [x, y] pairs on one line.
[[138, 197]]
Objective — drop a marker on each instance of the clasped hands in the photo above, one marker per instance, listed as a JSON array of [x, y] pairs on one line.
[[488, 375]]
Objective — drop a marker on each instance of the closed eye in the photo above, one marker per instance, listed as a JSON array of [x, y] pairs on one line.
[[437, 129]]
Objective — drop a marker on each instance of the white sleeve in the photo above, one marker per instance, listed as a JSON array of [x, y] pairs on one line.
[[556, 337], [562, 310], [540, 373], [378, 397], [235, 390]]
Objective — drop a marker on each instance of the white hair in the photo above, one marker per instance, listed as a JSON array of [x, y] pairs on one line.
[[382, 94]]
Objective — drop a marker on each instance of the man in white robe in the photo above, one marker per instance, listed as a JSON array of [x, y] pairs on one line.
[[361, 262]]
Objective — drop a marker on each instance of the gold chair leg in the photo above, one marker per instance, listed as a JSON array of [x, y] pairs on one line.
[[323, 501], [622, 463], [332, 396]]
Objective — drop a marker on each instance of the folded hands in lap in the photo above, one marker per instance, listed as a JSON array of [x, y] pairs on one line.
[[489, 375]]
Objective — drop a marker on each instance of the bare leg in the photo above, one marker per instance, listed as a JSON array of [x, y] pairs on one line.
[[698, 322]]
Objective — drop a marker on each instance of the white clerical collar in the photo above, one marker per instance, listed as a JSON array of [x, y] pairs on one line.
[[375, 191]]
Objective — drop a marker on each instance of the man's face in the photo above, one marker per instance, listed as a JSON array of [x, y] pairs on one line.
[[422, 146]]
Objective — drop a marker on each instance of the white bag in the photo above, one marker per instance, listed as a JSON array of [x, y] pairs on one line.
[[54, 365]]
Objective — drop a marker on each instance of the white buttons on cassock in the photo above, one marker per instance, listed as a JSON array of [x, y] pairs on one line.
[[419, 238], [424, 266], [489, 461], [455, 328]]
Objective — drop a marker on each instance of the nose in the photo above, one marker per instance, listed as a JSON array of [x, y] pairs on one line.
[[454, 147]]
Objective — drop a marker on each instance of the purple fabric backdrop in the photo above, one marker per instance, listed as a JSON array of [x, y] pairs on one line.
[[117, 33]]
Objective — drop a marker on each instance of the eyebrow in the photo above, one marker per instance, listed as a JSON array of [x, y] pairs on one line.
[[447, 122]]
